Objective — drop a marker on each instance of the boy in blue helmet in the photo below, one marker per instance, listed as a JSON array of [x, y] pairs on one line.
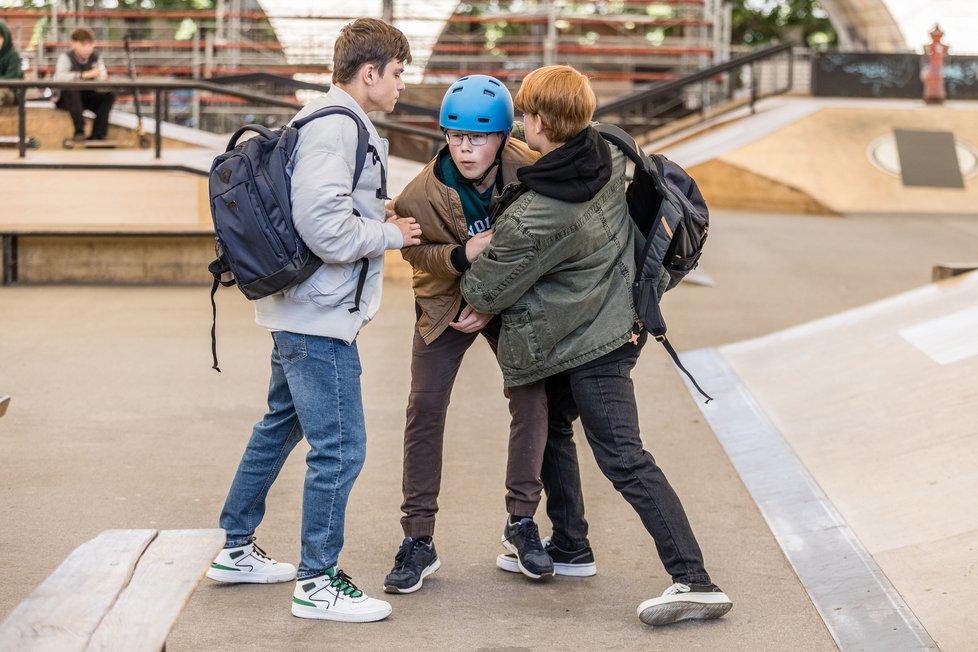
[[450, 199]]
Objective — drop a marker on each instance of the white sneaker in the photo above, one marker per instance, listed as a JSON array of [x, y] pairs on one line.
[[334, 596], [685, 602], [249, 563]]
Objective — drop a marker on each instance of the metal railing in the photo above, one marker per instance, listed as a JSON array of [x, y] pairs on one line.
[[710, 86], [160, 89]]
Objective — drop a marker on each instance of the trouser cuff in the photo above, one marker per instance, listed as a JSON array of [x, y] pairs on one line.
[[417, 528], [521, 508]]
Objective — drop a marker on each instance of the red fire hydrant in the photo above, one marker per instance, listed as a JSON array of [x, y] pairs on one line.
[[934, 74]]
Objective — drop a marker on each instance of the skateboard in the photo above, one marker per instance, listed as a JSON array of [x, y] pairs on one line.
[[13, 141], [71, 143]]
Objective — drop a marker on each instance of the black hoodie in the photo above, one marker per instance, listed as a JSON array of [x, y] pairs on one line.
[[574, 172]]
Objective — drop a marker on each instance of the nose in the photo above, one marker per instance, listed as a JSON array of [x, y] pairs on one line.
[[466, 145]]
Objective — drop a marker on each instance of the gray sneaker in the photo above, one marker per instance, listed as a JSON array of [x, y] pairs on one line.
[[414, 561], [685, 602], [523, 539], [571, 563]]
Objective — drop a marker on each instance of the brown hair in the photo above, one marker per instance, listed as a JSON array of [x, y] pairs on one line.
[[367, 40], [561, 96], [83, 35]]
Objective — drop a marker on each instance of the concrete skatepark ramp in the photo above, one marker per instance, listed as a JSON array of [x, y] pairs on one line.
[[832, 157], [856, 434]]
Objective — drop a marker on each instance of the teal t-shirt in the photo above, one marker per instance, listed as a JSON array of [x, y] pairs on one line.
[[475, 204]]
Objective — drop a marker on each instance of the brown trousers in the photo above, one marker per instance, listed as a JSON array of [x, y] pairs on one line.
[[433, 371]]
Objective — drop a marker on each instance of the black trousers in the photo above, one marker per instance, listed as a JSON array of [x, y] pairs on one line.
[[75, 102], [602, 395]]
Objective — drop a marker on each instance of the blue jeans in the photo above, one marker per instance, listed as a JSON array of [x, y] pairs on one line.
[[602, 395], [314, 392]]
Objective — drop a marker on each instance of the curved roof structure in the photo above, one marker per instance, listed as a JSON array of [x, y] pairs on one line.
[[307, 29]]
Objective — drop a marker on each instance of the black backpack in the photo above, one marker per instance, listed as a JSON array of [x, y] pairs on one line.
[[671, 222], [257, 246]]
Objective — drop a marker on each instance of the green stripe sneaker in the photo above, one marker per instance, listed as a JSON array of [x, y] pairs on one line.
[[249, 564], [334, 596]]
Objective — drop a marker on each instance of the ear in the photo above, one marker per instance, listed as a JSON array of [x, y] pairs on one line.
[[368, 74], [538, 126]]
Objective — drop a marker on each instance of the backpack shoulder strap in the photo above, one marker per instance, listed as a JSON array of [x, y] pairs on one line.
[[623, 141], [258, 129], [363, 136]]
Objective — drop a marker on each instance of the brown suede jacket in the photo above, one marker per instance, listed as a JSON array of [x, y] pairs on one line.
[[438, 210]]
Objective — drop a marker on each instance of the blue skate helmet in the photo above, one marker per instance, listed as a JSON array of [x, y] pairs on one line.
[[477, 103]]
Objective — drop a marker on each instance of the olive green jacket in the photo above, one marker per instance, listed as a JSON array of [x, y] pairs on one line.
[[560, 274]]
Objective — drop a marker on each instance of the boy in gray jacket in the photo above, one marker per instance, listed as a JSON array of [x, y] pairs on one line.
[[314, 390]]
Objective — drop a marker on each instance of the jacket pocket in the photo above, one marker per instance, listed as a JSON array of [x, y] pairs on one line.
[[291, 346], [518, 345], [328, 286]]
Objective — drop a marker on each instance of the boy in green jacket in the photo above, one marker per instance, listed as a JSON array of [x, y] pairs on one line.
[[559, 270]]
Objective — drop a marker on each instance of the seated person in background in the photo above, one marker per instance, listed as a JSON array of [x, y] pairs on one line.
[[10, 67], [78, 63]]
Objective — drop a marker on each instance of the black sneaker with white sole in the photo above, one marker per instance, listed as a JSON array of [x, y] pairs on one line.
[[523, 540], [415, 560], [571, 563], [685, 602]]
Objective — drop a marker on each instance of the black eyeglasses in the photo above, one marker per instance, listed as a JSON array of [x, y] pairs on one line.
[[475, 140]]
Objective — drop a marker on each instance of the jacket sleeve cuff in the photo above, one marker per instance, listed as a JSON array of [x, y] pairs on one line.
[[459, 260], [395, 239]]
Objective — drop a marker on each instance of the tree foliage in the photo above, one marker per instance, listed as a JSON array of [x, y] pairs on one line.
[[756, 22]]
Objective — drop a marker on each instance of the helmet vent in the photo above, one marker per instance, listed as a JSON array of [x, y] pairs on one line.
[[483, 119], [453, 116], [457, 89], [486, 91]]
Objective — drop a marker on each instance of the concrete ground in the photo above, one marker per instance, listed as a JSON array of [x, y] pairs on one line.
[[118, 421]]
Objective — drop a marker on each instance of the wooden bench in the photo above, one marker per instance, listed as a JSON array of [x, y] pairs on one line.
[[123, 590]]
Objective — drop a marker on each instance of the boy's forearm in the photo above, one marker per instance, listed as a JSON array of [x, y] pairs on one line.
[[435, 259]]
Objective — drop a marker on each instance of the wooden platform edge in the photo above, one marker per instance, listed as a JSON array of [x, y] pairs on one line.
[[165, 578], [66, 608]]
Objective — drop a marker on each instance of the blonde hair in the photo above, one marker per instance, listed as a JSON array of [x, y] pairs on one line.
[[561, 96]]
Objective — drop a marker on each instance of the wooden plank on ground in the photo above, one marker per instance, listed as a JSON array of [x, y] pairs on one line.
[[165, 577], [65, 609]]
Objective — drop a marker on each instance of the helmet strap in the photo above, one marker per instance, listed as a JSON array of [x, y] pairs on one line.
[[497, 162]]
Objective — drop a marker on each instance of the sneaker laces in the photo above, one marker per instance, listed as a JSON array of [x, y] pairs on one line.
[[405, 554], [531, 534], [676, 588], [258, 552], [343, 583]]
